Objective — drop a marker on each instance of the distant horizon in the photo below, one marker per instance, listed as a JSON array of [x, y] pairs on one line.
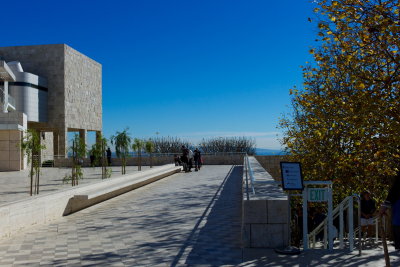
[[91, 140], [259, 152]]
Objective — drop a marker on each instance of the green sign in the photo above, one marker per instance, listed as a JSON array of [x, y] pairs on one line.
[[317, 194]]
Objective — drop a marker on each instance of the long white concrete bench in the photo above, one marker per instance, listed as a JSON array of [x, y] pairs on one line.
[[43, 208], [114, 187], [109, 185]]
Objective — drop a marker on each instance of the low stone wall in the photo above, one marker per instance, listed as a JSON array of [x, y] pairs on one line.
[[265, 214], [160, 160], [272, 165]]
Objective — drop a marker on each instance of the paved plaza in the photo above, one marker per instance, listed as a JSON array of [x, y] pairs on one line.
[[187, 219], [184, 219], [15, 185]]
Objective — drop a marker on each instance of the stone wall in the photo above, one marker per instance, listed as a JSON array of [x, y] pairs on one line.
[[12, 126], [74, 88], [46, 139], [11, 158], [161, 160], [265, 219], [83, 87], [272, 165], [46, 61]]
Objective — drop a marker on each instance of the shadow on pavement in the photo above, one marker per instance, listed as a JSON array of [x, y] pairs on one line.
[[215, 240], [319, 257]]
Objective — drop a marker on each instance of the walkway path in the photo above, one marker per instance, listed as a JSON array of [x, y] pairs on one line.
[[15, 185], [185, 219]]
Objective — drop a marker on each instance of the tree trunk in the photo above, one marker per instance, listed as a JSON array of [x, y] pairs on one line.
[[37, 178], [123, 165], [31, 173], [140, 161], [38, 172], [105, 163]]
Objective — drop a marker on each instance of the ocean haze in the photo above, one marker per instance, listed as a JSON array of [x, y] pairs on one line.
[[269, 152]]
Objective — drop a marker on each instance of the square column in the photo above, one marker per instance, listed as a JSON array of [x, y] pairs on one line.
[[98, 136], [5, 104], [60, 142], [83, 135]]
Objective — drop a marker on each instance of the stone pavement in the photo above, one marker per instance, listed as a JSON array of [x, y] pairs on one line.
[[15, 185], [187, 219], [372, 257], [183, 220]]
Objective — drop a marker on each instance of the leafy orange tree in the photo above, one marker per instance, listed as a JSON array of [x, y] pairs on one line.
[[346, 119]]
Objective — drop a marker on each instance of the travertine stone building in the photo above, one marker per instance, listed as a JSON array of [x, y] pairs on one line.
[[70, 83]]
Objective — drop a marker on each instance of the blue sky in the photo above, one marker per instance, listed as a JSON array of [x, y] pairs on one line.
[[185, 68]]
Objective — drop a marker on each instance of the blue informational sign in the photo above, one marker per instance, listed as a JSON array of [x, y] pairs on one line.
[[292, 177]]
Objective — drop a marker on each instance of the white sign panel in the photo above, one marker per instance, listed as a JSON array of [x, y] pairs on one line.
[[292, 178]]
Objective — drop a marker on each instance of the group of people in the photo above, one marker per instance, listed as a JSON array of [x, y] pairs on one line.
[[93, 157], [188, 158]]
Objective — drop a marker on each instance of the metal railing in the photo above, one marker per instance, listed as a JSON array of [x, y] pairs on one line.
[[144, 155], [346, 204], [253, 180], [11, 100], [51, 160], [245, 165], [2, 95], [249, 172], [376, 222]]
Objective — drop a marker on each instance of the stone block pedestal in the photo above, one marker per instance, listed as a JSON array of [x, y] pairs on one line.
[[265, 218]]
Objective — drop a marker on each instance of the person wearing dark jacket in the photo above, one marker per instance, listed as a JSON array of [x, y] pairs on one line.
[[185, 158], [177, 160], [197, 159], [108, 156], [393, 201]]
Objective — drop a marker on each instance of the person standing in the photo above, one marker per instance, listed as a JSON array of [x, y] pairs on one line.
[[393, 201], [197, 159], [185, 158], [108, 156], [190, 162], [367, 214], [92, 158], [177, 160]]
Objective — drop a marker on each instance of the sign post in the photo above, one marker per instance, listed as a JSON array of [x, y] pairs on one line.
[[318, 195], [292, 179]]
